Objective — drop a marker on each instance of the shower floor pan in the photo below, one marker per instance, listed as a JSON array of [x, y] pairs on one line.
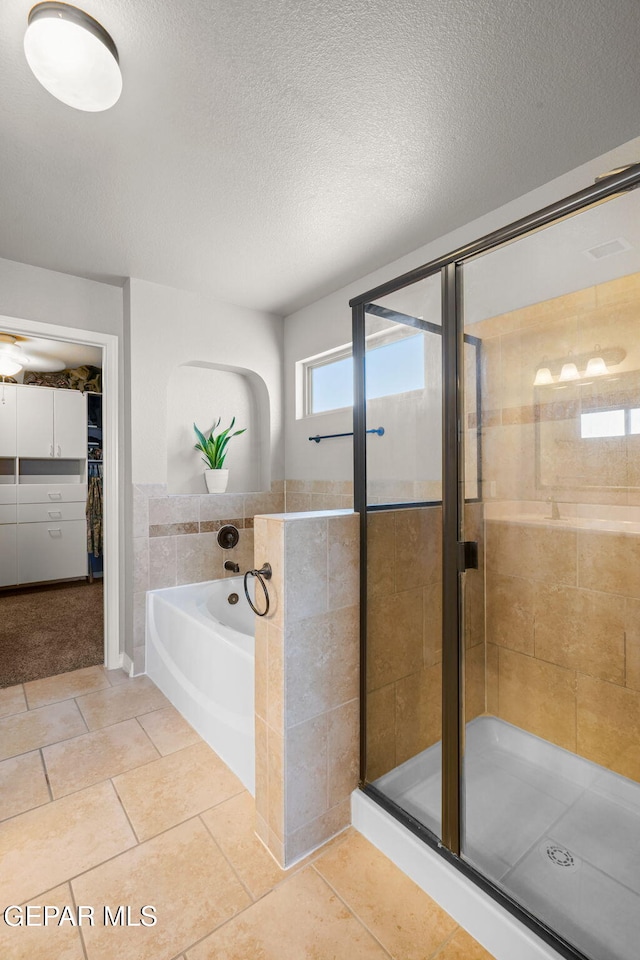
[[558, 833]]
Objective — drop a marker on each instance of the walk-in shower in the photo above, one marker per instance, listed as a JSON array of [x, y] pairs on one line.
[[500, 596]]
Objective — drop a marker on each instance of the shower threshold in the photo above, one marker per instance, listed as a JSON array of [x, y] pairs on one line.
[[558, 833]]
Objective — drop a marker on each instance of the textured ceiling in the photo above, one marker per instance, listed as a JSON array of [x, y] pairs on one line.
[[269, 152]]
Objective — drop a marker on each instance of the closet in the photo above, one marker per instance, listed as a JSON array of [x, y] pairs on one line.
[[43, 484]]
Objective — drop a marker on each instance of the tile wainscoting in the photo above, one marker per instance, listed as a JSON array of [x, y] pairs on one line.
[[174, 541], [174, 537]]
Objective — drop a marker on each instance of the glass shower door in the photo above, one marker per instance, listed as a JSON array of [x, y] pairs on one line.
[[551, 770], [403, 363]]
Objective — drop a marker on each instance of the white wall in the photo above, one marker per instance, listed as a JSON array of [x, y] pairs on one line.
[[32, 293], [201, 395], [327, 322], [169, 328]]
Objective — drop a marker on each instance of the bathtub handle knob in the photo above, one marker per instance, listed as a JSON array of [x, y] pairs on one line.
[[264, 573]]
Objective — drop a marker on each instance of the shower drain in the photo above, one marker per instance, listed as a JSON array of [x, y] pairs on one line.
[[560, 856]]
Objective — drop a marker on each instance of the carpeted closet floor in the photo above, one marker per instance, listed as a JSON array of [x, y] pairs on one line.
[[49, 630]]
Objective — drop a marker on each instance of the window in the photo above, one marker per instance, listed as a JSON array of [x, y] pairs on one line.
[[609, 423], [604, 423], [393, 366], [330, 384]]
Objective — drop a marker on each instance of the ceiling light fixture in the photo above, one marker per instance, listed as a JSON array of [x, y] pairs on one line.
[[72, 56], [12, 359]]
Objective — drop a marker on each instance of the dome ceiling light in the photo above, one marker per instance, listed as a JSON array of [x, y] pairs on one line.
[[72, 56]]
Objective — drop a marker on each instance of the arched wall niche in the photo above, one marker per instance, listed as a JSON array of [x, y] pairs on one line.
[[200, 392]]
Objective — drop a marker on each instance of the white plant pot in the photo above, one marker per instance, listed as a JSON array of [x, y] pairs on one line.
[[216, 480]]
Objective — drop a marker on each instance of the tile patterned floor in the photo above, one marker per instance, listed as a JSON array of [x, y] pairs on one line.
[[108, 797]]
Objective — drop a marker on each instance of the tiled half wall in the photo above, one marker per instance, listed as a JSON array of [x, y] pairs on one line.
[[307, 676]]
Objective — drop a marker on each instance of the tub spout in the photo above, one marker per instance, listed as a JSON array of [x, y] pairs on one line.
[[230, 565]]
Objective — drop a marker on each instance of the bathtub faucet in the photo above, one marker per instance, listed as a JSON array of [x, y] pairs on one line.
[[230, 565]]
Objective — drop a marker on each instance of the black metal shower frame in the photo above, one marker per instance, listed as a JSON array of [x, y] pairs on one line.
[[449, 267]]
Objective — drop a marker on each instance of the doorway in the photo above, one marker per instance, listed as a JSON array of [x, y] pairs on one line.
[[62, 599]]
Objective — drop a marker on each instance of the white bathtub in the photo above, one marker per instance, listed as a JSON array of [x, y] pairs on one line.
[[200, 653]]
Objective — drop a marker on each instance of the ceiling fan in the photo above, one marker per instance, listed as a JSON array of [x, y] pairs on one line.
[[13, 358]]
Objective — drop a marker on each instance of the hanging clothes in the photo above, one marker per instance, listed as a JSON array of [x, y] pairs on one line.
[[94, 510]]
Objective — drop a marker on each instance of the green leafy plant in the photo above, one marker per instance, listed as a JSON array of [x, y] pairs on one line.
[[214, 447]]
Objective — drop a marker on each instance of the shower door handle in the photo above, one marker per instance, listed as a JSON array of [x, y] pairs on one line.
[[467, 555]]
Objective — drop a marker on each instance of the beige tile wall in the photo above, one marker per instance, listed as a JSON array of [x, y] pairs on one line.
[[562, 621], [514, 418], [307, 676], [302, 496], [404, 628], [563, 605]]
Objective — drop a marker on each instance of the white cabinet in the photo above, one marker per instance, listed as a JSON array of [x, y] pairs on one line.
[[55, 550], [8, 556], [51, 423], [52, 532], [8, 420], [35, 422], [43, 530], [70, 424], [8, 534]]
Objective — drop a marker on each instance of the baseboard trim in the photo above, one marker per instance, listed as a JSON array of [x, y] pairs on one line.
[[127, 664]]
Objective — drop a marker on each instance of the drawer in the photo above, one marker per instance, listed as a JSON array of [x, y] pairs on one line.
[[36, 512], [52, 551], [52, 493], [8, 493], [8, 513]]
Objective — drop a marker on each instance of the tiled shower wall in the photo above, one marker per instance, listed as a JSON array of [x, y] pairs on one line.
[[175, 540], [563, 618], [563, 601], [404, 627]]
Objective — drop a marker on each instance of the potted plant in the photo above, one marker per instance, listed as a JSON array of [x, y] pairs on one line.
[[214, 448]]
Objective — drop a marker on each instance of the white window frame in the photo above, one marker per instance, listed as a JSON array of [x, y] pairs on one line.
[[304, 368]]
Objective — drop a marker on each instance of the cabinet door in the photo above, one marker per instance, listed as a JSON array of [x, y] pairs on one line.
[[35, 422], [70, 424], [8, 420], [8, 557], [52, 551]]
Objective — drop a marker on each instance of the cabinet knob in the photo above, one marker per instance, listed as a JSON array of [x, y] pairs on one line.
[[55, 514], [59, 451], [55, 532], [50, 449], [54, 496]]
